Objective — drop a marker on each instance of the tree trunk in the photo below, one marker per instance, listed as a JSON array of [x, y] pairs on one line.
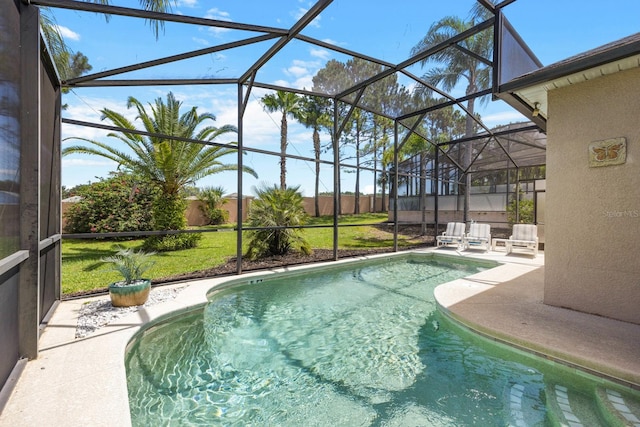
[[316, 150], [375, 179], [384, 190], [283, 152], [383, 180]]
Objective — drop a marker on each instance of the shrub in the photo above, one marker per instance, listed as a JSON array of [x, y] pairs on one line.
[[527, 211], [171, 242], [276, 207], [116, 204], [169, 214], [211, 199]]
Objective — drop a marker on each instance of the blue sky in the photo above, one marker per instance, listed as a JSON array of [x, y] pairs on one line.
[[554, 30]]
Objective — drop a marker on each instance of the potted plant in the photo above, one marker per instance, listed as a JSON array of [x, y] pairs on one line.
[[133, 289]]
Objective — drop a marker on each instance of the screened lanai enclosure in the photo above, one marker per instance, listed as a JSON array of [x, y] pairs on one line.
[[506, 170], [407, 128]]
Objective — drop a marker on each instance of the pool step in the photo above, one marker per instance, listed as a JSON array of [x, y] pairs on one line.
[[620, 409], [525, 405], [567, 408]]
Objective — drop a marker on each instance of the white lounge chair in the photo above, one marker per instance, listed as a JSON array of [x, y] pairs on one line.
[[479, 236], [524, 236], [452, 236]]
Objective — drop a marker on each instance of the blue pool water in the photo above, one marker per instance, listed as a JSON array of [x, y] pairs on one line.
[[362, 345]]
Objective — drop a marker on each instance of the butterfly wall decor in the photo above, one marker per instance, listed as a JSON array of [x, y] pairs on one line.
[[608, 152]]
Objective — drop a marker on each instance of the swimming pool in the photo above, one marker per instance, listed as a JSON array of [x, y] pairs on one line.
[[361, 344]]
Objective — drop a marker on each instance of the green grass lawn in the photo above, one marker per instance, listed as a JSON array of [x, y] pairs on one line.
[[82, 269]]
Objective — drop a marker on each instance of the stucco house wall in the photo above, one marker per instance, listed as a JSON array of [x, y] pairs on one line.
[[592, 251]]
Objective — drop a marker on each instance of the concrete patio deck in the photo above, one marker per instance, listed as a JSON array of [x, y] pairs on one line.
[[81, 382]]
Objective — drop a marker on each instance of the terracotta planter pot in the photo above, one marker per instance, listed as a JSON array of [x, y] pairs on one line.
[[130, 295]]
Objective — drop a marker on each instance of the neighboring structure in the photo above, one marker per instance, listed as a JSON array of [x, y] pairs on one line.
[[508, 162], [591, 105]]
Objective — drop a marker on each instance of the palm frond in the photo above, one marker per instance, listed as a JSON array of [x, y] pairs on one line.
[[171, 163]]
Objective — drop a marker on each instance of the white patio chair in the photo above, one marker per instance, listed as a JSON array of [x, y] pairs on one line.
[[479, 236], [452, 236], [523, 236]]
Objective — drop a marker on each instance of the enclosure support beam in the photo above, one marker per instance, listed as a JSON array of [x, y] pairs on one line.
[[517, 195], [435, 200], [352, 108], [240, 210], [168, 59], [395, 186], [306, 19], [158, 16], [28, 294], [245, 100], [336, 179]]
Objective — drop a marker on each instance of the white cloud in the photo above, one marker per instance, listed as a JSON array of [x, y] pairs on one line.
[[88, 109], [320, 53], [217, 30], [503, 117], [260, 128], [70, 162], [300, 13], [67, 33], [302, 73], [306, 64], [331, 41], [187, 3], [201, 41], [219, 15], [283, 83], [297, 71], [304, 82]]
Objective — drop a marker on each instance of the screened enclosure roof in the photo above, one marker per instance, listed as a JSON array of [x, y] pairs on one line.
[[508, 146], [254, 51], [259, 49], [531, 88]]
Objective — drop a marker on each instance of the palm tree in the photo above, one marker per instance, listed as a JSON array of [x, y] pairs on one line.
[[168, 163], [313, 115], [459, 65], [69, 64], [276, 207], [379, 145], [289, 104]]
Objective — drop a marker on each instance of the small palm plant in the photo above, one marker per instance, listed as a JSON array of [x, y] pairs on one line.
[[130, 264], [276, 208], [133, 289]]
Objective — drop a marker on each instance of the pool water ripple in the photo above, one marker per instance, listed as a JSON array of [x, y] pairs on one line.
[[358, 346]]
